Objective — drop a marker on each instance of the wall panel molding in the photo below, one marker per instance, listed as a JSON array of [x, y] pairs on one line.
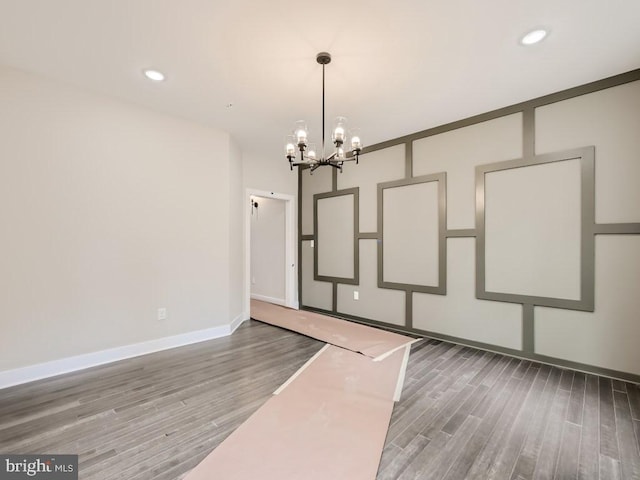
[[588, 230], [355, 244], [441, 287], [587, 246]]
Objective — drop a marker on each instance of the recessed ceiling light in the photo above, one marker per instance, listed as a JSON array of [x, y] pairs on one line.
[[534, 36], [154, 75]]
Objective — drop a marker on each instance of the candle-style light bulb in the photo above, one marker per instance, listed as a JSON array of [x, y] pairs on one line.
[[290, 146], [311, 151], [300, 132], [339, 130], [290, 149]]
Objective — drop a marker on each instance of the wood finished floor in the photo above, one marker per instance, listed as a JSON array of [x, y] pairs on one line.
[[464, 413]]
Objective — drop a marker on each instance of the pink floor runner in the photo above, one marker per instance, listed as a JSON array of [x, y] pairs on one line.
[[330, 419], [372, 342], [329, 422]]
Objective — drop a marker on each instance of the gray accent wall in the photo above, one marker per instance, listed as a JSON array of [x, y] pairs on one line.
[[335, 241], [376, 303], [517, 230], [316, 294]]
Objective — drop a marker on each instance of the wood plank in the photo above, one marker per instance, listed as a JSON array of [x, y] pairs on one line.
[[576, 401], [566, 379], [403, 459], [588, 461], [448, 397], [609, 468], [633, 391], [567, 468], [608, 434], [434, 465], [496, 461], [629, 457], [618, 385], [508, 446], [490, 417], [547, 461]]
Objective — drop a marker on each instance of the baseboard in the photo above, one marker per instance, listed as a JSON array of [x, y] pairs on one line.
[[236, 322], [39, 371], [264, 298]]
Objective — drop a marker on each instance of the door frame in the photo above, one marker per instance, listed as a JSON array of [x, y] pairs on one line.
[[291, 267]]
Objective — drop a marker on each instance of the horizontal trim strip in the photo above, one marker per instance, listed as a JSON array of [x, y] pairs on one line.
[[616, 228], [461, 232], [368, 236]]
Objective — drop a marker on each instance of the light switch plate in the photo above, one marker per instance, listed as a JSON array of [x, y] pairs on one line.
[[356, 295]]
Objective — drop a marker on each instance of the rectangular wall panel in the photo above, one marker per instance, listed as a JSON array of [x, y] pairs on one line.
[[380, 166], [459, 313], [319, 182], [314, 294], [457, 152], [609, 120], [335, 236], [410, 216], [374, 303], [609, 336], [533, 230]]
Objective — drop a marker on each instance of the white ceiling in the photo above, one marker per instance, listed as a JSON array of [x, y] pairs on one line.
[[398, 66]]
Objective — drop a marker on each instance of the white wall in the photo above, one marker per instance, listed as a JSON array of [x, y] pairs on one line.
[[109, 211], [268, 250], [268, 173], [236, 228]]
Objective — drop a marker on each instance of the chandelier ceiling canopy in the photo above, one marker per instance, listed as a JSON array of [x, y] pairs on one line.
[[307, 156]]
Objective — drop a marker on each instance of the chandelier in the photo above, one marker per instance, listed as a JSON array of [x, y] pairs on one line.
[[307, 154]]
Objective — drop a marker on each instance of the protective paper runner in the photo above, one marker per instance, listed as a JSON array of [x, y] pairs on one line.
[[330, 422], [369, 341]]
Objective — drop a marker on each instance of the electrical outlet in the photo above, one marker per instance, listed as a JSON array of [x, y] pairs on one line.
[[356, 295], [253, 280], [162, 314]]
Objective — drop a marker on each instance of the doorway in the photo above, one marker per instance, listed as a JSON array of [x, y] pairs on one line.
[[270, 240]]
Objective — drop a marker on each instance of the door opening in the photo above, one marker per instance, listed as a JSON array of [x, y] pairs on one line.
[[270, 246]]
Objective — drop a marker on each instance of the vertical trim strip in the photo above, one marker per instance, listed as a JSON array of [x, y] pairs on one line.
[[528, 134], [408, 309], [528, 337], [408, 159], [334, 180]]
